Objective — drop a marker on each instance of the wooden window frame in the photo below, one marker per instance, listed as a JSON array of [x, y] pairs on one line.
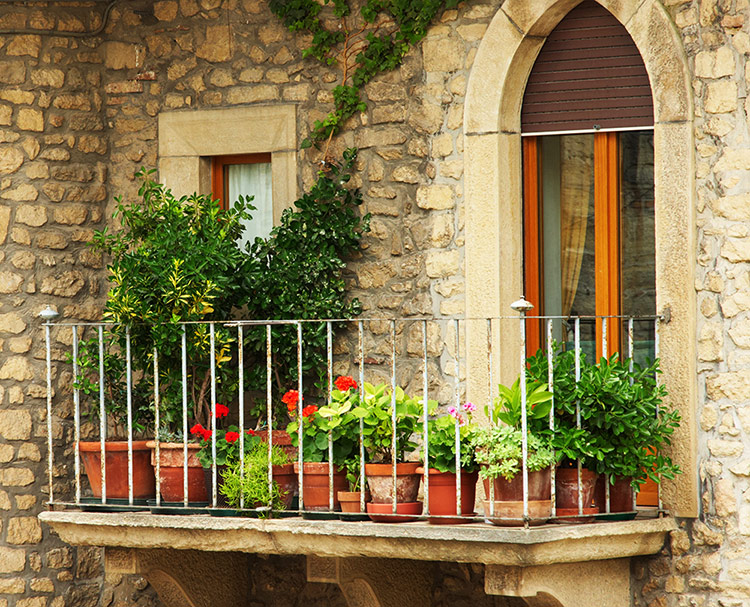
[[607, 242], [219, 165]]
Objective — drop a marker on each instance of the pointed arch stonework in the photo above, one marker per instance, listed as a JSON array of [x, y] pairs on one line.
[[493, 195]]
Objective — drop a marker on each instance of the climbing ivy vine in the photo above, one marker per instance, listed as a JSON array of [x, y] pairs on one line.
[[361, 43]]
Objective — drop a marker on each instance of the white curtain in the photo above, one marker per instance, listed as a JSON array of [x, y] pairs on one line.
[[253, 180]]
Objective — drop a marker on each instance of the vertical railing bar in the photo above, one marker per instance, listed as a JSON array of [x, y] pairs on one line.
[[184, 418], [300, 435], [457, 396], [77, 416], [329, 354], [393, 413], [241, 406], [50, 445], [631, 347], [605, 340], [269, 405], [360, 328], [577, 338], [607, 493], [491, 481], [524, 423], [656, 357], [551, 388], [129, 372], [102, 416], [157, 423], [425, 415], [212, 354]]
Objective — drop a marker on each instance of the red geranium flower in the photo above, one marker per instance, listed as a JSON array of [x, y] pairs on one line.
[[309, 410], [290, 399], [345, 383], [221, 410], [206, 434], [232, 437], [252, 433], [197, 429]]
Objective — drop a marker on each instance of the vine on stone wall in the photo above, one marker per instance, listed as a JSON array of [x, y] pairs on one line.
[[361, 43]]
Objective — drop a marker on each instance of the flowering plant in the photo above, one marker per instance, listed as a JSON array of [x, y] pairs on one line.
[[441, 439], [335, 421], [378, 429], [227, 441]]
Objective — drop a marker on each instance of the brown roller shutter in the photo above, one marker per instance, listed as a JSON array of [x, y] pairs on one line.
[[588, 73]]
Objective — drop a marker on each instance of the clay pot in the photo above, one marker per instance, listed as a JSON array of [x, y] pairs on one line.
[[286, 478], [566, 487], [540, 488], [570, 515], [171, 472], [116, 463], [620, 494], [442, 501], [405, 512], [510, 513], [282, 439], [350, 500], [380, 482], [315, 485]]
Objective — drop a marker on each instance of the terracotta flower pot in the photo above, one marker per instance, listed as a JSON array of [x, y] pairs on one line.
[[510, 513], [116, 463], [351, 500], [566, 492], [621, 494], [405, 512], [171, 472], [315, 490], [380, 482], [282, 439], [442, 501], [540, 488]]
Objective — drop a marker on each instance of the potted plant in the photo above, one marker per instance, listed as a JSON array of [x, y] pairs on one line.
[[441, 473], [329, 439], [499, 452], [246, 485], [175, 266], [376, 411]]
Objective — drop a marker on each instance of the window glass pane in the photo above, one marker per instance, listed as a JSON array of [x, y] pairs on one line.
[[252, 180], [568, 233], [638, 276]]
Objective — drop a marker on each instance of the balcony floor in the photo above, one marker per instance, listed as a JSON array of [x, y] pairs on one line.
[[470, 543]]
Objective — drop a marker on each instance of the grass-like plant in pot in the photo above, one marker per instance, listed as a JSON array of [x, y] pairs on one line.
[[174, 261], [376, 410], [245, 484], [499, 453], [441, 452], [330, 435]]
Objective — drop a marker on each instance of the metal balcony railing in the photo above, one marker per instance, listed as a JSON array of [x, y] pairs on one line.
[[442, 359]]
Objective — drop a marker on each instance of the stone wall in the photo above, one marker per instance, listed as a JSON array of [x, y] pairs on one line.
[[78, 118]]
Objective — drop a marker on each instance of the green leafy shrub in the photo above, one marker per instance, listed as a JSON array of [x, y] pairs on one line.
[[499, 451]]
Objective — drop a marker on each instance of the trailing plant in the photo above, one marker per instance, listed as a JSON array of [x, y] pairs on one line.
[[499, 451], [250, 482], [297, 273], [361, 43], [441, 434], [376, 412]]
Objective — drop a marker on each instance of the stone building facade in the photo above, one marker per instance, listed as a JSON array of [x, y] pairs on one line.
[[90, 92]]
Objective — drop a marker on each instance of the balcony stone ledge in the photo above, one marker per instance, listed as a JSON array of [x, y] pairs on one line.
[[468, 543]]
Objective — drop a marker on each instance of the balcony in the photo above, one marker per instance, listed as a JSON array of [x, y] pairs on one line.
[[440, 362]]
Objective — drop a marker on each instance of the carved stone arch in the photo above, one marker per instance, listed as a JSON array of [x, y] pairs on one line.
[[493, 196], [359, 593]]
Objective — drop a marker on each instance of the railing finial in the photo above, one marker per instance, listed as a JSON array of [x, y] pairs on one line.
[[522, 305], [48, 314]]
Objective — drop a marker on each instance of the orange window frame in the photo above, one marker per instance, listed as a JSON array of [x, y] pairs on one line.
[[606, 239], [219, 167]]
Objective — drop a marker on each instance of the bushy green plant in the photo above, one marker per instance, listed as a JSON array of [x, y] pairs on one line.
[[499, 451], [441, 434], [376, 410], [250, 482], [507, 405], [625, 423]]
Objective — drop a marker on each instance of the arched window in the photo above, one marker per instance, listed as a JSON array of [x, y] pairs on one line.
[[588, 153]]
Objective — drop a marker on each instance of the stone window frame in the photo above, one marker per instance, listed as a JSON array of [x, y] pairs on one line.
[[188, 139], [493, 198]]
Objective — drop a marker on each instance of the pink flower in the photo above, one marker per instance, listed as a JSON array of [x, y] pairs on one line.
[[461, 420], [469, 407], [452, 411]]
